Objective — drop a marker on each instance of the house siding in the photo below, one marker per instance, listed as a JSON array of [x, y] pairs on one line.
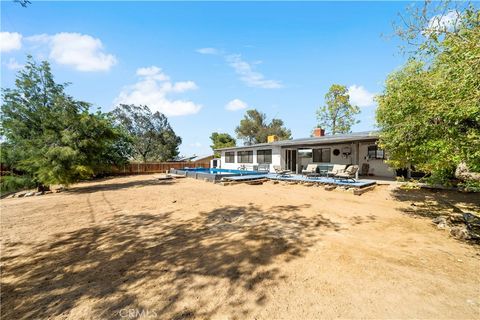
[[359, 153]]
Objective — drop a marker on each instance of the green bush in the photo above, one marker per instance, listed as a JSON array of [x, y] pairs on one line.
[[470, 186], [14, 183]]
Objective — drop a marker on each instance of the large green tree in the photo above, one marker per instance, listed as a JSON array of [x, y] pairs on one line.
[[153, 137], [51, 136], [254, 128], [429, 111], [338, 114], [221, 140]]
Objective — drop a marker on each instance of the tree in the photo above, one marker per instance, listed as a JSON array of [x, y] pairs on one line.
[[221, 140], [254, 129], [51, 136], [429, 111], [153, 137], [337, 115]]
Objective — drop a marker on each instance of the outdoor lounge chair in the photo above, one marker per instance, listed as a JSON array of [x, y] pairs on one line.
[[281, 172], [310, 170], [348, 174], [337, 168], [263, 167]]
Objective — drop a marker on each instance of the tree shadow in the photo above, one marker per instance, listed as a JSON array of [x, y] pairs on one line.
[[434, 203], [158, 264]]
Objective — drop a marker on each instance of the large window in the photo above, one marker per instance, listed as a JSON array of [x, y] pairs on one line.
[[264, 156], [245, 156], [321, 155], [230, 157], [375, 153]]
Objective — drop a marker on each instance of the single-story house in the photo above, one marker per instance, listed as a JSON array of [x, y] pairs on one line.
[[354, 148]]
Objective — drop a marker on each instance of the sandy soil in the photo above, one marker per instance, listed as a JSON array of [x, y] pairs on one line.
[[134, 247]]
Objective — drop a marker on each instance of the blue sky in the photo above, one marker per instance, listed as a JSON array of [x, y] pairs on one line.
[[203, 63]]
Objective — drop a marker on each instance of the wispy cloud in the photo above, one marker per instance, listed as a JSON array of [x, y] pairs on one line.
[[236, 104], [360, 96], [13, 64], [208, 51], [80, 51], [10, 41], [246, 70], [153, 89]]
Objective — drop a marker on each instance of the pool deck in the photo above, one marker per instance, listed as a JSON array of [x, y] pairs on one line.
[[299, 178]]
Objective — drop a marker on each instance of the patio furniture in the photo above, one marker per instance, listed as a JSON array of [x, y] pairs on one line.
[[311, 170], [337, 168], [281, 172], [263, 167], [348, 174]]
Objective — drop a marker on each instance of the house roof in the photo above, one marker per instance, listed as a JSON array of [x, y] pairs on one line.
[[337, 138]]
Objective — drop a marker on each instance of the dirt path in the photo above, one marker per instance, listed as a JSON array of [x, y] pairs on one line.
[[137, 248]]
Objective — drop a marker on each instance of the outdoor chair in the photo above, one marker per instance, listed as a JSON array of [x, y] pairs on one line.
[[281, 172], [348, 174], [264, 168], [310, 170], [337, 168]]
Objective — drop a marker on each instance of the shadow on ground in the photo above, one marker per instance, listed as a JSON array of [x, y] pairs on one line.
[[432, 203], [154, 264]]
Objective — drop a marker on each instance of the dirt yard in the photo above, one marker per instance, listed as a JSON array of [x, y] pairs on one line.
[[135, 247]]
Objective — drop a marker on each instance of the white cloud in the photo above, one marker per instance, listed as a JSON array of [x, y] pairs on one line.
[[13, 64], [81, 51], [360, 96], [247, 74], [236, 104], [244, 69], [442, 23], [153, 89], [208, 51], [196, 144], [10, 41]]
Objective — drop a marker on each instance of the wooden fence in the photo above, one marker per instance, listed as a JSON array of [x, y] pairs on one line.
[[156, 167], [139, 167]]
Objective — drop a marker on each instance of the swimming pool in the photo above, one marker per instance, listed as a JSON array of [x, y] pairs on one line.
[[211, 174]]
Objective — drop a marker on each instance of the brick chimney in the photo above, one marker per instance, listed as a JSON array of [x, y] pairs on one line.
[[318, 132]]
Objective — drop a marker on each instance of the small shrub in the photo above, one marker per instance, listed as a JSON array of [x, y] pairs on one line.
[[14, 183], [470, 186]]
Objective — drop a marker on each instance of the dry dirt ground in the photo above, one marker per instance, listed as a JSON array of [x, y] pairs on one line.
[[134, 247]]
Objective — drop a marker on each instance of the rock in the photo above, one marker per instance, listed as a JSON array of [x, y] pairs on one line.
[[29, 194], [48, 192], [460, 233], [440, 219], [442, 226], [463, 173], [455, 218], [21, 194], [40, 193], [330, 188], [473, 224]]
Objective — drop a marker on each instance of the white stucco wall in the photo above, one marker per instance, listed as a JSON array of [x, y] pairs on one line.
[[377, 166], [276, 157]]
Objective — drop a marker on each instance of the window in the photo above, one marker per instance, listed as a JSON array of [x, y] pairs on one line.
[[245, 156], [230, 157], [321, 155], [264, 156], [304, 153], [375, 153]]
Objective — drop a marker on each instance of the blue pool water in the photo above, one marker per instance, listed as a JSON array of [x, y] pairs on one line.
[[219, 171]]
